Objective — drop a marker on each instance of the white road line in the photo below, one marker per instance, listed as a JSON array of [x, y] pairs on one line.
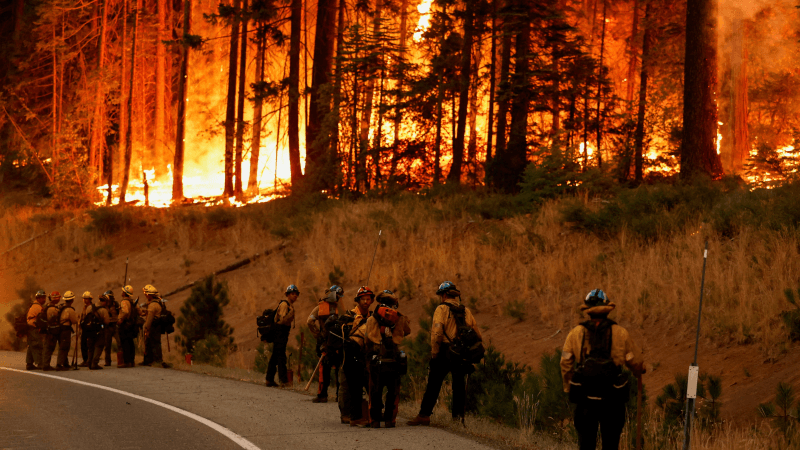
[[239, 440]]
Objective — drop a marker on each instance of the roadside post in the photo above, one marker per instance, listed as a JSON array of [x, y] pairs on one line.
[[694, 370]]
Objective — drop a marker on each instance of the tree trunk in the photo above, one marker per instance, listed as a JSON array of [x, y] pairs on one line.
[[699, 146], [378, 142], [600, 90], [366, 115], [180, 129], [127, 168], [230, 111], [517, 140], [492, 75], [258, 106], [123, 87], [472, 120], [294, 94], [161, 88], [463, 94], [632, 52], [738, 119], [237, 189], [97, 141], [503, 104], [398, 113], [337, 84], [437, 145], [318, 172], [639, 135]]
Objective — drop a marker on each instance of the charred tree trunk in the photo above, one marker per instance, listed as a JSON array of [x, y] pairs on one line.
[[337, 83], [318, 174], [503, 104], [454, 176], [699, 146], [123, 87], [600, 90], [632, 54], [398, 112], [639, 135], [180, 129], [127, 166], [492, 76], [258, 107], [97, 141], [437, 145], [472, 120], [237, 188], [739, 103], [294, 94], [161, 88], [366, 115], [518, 140], [230, 108]]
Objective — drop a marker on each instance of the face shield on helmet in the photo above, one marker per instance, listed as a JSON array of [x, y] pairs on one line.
[[449, 289], [596, 298], [334, 293]]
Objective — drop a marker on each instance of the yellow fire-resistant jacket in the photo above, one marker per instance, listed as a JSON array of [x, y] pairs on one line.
[[374, 332], [153, 311], [359, 330], [623, 350], [285, 313], [125, 309], [444, 326], [68, 316], [34, 311]]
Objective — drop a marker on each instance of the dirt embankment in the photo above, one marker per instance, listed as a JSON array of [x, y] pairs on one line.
[[535, 260]]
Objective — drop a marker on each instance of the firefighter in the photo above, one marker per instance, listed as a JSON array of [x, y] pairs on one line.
[[385, 331], [33, 358], [51, 336], [153, 329], [284, 318], [104, 336], [327, 307], [443, 335], [127, 328], [355, 365], [68, 319], [599, 343], [113, 335], [91, 326]]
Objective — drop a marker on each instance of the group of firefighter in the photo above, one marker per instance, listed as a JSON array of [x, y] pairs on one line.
[[49, 323], [363, 348]]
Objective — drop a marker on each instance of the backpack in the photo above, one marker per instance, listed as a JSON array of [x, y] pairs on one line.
[[466, 347], [390, 359], [54, 323], [92, 323], [267, 328], [596, 376], [166, 320], [41, 318], [333, 331]]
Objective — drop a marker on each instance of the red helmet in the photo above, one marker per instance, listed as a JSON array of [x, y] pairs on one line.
[[55, 295], [365, 290]]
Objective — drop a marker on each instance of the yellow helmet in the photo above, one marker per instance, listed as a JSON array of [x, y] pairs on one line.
[[87, 294], [127, 291], [150, 290], [68, 296]]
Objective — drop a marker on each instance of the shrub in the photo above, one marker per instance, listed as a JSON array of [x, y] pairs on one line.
[[336, 276], [201, 317], [515, 309], [262, 359], [784, 410], [108, 221], [221, 217], [490, 391], [211, 351], [792, 318]]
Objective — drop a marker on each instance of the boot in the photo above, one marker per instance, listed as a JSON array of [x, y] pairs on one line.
[[166, 365], [271, 383], [31, 367], [320, 400], [345, 419], [48, 368], [361, 423], [375, 424], [122, 366], [390, 425], [62, 368], [95, 368], [419, 420], [84, 364]]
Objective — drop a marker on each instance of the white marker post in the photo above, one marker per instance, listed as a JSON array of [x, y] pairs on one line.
[[694, 370]]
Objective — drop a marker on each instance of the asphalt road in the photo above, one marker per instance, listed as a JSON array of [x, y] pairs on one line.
[[151, 408]]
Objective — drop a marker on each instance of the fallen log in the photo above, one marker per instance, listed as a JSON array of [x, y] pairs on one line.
[[237, 265]]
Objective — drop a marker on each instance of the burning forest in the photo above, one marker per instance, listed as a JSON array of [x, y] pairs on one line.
[[159, 103]]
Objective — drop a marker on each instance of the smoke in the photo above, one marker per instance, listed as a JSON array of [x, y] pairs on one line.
[[767, 27]]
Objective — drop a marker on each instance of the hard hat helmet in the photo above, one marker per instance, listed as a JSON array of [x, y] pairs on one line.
[[55, 295], [150, 290], [365, 290], [107, 296], [88, 295], [596, 298], [68, 296], [448, 288], [127, 291], [292, 289], [387, 298], [40, 293], [338, 290]]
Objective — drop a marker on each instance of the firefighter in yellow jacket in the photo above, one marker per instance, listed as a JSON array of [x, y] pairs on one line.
[[284, 318], [386, 329], [51, 335], [69, 318], [127, 327], [591, 368], [104, 335], [152, 329], [328, 306], [354, 364], [33, 358], [443, 332]]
